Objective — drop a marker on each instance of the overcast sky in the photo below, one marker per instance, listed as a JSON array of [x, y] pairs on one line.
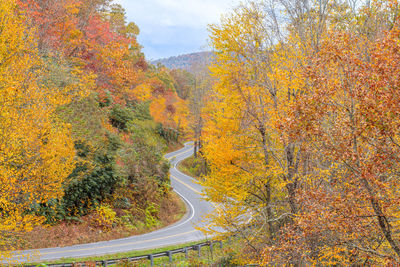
[[174, 27]]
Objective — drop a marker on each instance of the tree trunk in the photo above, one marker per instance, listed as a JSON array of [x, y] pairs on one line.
[[382, 220], [267, 184]]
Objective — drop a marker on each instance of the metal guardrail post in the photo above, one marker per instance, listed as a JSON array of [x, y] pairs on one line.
[[151, 258], [169, 254], [199, 250], [211, 246], [220, 243], [186, 252]]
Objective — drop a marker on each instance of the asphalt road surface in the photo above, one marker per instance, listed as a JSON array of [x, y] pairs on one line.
[[181, 232]]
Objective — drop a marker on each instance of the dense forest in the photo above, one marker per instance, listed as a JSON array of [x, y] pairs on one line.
[[295, 123], [300, 132], [84, 119]]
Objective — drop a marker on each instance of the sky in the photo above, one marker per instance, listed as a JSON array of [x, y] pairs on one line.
[[174, 27]]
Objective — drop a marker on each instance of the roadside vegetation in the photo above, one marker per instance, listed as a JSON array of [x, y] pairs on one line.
[[93, 227], [219, 256], [194, 167]]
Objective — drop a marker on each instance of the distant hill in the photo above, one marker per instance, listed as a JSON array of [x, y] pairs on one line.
[[190, 62]]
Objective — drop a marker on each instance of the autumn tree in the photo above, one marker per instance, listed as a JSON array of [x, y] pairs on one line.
[[347, 115], [255, 166], [293, 136], [36, 151], [184, 82]]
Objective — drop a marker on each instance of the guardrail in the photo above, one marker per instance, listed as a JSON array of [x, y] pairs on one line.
[[150, 257]]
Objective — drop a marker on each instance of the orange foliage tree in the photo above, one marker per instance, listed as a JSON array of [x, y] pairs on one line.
[[349, 116], [302, 132]]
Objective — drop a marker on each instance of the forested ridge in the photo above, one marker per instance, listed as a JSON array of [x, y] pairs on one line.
[[84, 120], [188, 62]]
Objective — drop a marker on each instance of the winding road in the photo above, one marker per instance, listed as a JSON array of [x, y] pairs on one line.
[[181, 232]]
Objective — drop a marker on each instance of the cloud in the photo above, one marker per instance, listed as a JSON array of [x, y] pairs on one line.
[[172, 27], [194, 13], [172, 40], [182, 12]]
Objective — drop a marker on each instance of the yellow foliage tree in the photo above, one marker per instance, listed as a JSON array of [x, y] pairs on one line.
[[36, 152], [251, 159], [256, 165], [181, 115]]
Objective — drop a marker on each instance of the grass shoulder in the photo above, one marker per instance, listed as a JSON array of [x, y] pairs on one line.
[[113, 256], [194, 167], [218, 256], [174, 146]]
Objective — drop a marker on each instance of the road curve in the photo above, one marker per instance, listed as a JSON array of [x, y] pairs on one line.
[[181, 232]]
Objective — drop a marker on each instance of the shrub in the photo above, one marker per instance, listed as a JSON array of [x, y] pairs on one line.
[[151, 214], [169, 134], [93, 187], [141, 111], [120, 116], [105, 217], [93, 180]]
